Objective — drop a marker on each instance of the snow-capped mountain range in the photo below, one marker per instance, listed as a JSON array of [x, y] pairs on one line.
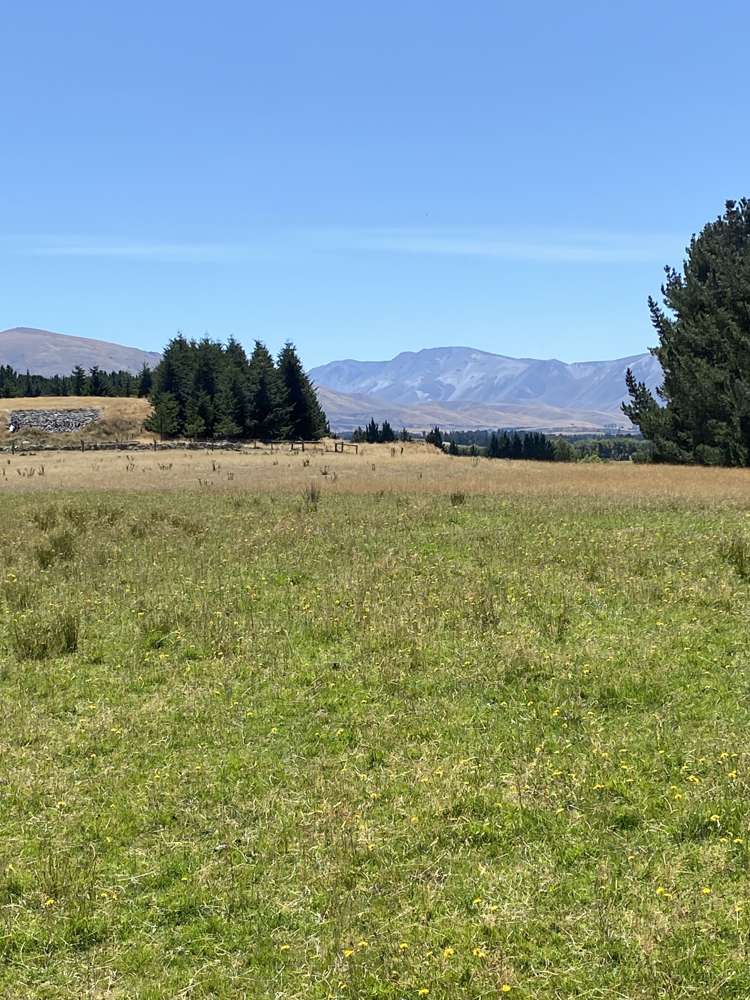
[[463, 379]]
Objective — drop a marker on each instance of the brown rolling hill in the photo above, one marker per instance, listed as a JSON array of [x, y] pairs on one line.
[[45, 353], [346, 411]]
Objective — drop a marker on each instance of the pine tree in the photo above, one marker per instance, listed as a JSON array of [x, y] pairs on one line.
[[145, 381], [96, 383], [79, 381], [386, 435], [434, 437], [268, 417], [704, 350], [307, 421], [174, 376], [196, 425], [164, 418], [404, 436], [372, 432]]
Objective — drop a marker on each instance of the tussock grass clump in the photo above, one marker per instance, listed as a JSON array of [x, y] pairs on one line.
[[41, 635], [45, 517], [311, 496], [58, 547], [736, 551]]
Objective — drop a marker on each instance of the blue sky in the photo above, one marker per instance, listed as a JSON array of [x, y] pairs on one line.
[[363, 178]]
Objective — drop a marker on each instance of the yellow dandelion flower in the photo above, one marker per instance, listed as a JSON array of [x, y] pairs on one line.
[[506, 988], [348, 952], [403, 946], [479, 953], [284, 947], [423, 992], [449, 952], [706, 890], [715, 819], [362, 944], [477, 901]]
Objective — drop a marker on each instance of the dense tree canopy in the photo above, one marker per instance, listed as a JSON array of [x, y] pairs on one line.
[[704, 351], [78, 383], [204, 389]]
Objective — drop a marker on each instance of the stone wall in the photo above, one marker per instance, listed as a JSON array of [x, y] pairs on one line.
[[52, 421]]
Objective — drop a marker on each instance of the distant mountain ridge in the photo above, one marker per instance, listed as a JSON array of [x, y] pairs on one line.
[[455, 387], [457, 376], [45, 353]]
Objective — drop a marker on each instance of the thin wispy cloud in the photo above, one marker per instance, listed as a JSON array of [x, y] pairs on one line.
[[155, 251], [523, 245], [530, 245]]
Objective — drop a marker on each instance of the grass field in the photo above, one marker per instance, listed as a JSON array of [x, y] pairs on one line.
[[385, 743], [420, 469]]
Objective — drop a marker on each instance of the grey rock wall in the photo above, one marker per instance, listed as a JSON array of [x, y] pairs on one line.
[[52, 421]]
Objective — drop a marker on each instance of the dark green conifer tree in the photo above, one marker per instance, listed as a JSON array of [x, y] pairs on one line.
[[434, 437], [372, 432], [268, 409], [386, 435], [164, 418], [79, 381], [306, 418], [145, 381], [704, 350], [96, 383]]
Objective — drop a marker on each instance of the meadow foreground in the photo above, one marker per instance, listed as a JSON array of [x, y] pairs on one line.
[[375, 745]]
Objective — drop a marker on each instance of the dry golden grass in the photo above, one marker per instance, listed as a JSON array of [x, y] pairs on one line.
[[377, 468], [121, 417]]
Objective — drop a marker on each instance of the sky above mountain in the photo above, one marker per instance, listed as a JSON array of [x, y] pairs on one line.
[[363, 179]]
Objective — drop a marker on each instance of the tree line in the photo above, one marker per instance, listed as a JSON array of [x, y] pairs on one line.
[[95, 382], [375, 433], [206, 389], [536, 446]]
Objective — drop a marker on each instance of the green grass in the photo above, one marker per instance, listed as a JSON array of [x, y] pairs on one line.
[[369, 747]]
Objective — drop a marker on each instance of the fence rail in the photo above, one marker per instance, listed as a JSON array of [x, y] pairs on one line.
[[321, 447]]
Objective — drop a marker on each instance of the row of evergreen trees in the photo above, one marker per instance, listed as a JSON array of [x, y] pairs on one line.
[[538, 447], [529, 445], [95, 382], [205, 389], [374, 433]]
